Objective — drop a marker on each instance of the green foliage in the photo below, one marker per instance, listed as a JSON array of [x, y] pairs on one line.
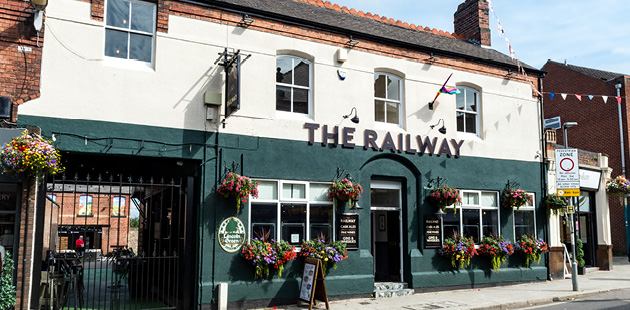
[[7, 290], [579, 253], [556, 204], [134, 222]]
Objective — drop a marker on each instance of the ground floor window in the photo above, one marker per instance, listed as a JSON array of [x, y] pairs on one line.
[[292, 211], [524, 220], [477, 215]]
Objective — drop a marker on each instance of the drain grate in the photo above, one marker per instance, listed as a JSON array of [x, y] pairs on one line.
[[430, 306]]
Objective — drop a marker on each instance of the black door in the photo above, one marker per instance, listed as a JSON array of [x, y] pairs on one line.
[[586, 230]]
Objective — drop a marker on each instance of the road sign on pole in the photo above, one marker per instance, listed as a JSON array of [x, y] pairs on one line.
[[567, 173]]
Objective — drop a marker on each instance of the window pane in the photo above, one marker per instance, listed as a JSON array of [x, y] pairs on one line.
[[471, 123], [10, 193], [459, 99], [115, 43], [293, 221], [523, 223], [489, 199], [264, 219], [284, 70], [301, 73], [379, 110], [471, 100], [451, 223], [385, 197], [300, 100], [283, 98], [470, 199], [322, 221], [490, 223], [470, 221], [267, 190], [460, 121], [392, 113], [118, 206], [393, 88], [142, 17], [379, 86], [85, 205], [319, 192], [140, 47], [293, 191], [118, 13], [584, 202]]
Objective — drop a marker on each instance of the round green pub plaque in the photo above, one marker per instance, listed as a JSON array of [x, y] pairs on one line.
[[231, 234]]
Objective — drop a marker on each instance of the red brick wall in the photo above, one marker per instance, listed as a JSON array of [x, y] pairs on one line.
[[25, 246], [598, 125], [472, 20], [115, 229], [19, 70]]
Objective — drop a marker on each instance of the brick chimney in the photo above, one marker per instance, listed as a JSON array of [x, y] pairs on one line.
[[472, 20]]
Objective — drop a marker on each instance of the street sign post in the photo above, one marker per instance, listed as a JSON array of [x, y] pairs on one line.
[[567, 173]]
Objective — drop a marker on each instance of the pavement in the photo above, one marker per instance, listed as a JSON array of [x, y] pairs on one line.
[[499, 297]]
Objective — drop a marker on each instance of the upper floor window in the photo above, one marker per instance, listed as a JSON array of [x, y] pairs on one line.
[[387, 98], [467, 109], [293, 85], [85, 205], [130, 30], [119, 206]]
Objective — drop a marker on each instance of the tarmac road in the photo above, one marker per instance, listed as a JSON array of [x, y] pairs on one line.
[[613, 300]]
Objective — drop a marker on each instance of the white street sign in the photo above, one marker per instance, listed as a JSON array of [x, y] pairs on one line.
[[567, 169]]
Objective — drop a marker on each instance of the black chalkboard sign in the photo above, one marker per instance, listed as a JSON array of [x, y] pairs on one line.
[[432, 232], [348, 229]]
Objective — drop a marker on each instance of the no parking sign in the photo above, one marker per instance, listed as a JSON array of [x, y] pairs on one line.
[[567, 172]]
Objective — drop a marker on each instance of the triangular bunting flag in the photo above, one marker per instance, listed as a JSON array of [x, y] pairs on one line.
[[564, 96], [500, 28], [551, 96], [590, 97], [605, 98], [618, 100], [579, 97]]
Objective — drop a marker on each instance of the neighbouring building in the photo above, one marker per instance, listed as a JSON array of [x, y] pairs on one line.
[[599, 129], [134, 95]]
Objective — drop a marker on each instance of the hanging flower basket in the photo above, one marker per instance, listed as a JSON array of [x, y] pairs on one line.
[[30, 154], [344, 190], [238, 186], [329, 253], [619, 186], [445, 196], [497, 248], [532, 248], [459, 249], [556, 204], [514, 198]]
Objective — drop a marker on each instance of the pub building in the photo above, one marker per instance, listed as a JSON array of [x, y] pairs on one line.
[[294, 95]]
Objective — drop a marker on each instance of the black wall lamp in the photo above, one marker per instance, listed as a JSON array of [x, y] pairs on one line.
[[352, 41], [246, 21], [442, 130], [355, 119]]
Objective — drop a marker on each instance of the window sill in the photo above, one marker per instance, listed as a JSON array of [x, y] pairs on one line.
[[293, 116], [388, 126], [468, 136], [89, 215], [129, 64]]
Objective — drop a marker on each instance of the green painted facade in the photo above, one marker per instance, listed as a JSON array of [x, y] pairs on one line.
[[297, 160]]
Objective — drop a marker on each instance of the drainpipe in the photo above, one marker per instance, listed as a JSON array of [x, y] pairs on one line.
[[543, 159], [623, 170]]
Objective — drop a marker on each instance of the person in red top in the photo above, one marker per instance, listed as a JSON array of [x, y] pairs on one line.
[[80, 246]]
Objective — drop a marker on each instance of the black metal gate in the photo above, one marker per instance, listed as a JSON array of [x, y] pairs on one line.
[[116, 243]]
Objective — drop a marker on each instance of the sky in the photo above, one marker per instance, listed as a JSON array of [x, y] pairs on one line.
[[593, 34]]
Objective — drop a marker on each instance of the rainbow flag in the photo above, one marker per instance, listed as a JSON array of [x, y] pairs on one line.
[[449, 90]]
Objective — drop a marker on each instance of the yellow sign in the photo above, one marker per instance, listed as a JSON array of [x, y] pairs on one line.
[[570, 209], [573, 192]]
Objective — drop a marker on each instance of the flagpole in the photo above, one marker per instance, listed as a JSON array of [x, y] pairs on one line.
[[438, 93]]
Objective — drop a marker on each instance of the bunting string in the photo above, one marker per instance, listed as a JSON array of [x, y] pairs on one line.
[[511, 50], [579, 97]]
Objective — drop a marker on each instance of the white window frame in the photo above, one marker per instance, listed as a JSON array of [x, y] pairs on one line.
[[280, 200], [126, 62], [461, 207], [529, 207], [399, 102], [477, 114], [291, 114]]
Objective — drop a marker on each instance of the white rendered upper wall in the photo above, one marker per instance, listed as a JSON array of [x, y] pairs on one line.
[[78, 82]]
